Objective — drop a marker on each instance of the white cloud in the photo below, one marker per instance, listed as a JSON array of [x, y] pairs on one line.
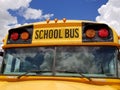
[[47, 16], [14, 4], [110, 15], [7, 20], [31, 13]]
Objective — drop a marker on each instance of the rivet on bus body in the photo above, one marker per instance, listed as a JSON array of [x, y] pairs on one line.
[[48, 20], [64, 20], [55, 20]]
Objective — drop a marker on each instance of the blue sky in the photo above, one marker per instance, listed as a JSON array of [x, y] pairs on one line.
[[70, 9], [15, 13]]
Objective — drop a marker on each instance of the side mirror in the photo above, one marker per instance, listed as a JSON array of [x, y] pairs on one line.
[[1, 53], [119, 56]]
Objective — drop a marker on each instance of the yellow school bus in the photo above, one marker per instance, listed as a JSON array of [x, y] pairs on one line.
[[61, 55]]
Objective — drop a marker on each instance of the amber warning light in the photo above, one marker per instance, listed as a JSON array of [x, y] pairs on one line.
[[90, 33], [24, 35]]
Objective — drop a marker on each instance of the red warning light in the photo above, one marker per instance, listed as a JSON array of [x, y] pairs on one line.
[[103, 33], [14, 36]]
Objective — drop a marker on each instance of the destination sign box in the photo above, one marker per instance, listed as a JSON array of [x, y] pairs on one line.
[[57, 33]]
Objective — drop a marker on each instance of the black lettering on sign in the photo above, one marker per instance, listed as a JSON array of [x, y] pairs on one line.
[[60, 34], [56, 33], [46, 34], [76, 33], [40, 34], [51, 34], [66, 33], [72, 33], [36, 34]]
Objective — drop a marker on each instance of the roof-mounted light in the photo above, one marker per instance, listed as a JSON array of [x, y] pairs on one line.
[[56, 20], [48, 20], [64, 20]]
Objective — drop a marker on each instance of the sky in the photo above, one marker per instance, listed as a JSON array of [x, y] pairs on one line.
[[18, 12]]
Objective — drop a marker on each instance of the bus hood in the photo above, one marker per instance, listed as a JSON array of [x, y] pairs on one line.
[[51, 85]]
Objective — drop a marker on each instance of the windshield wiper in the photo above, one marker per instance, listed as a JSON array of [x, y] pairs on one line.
[[78, 73], [32, 71], [85, 76], [39, 72]]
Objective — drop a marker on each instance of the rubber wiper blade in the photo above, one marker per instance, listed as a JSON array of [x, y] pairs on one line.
[[31, 71], [66, 71], [85, 76], [78, 73]]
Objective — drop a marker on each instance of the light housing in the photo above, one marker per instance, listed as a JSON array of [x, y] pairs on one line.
[[96, 32], [20, 35]]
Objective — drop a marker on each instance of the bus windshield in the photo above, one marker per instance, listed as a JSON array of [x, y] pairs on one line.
[[92, 61]]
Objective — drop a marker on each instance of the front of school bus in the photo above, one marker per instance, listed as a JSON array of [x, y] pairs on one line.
[[61, 55]]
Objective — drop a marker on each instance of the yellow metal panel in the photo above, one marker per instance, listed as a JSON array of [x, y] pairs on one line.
[[57, 83], [115, 37], [53, 85]]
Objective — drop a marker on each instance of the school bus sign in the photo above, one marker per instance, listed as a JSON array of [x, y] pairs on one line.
[[57, 33]]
